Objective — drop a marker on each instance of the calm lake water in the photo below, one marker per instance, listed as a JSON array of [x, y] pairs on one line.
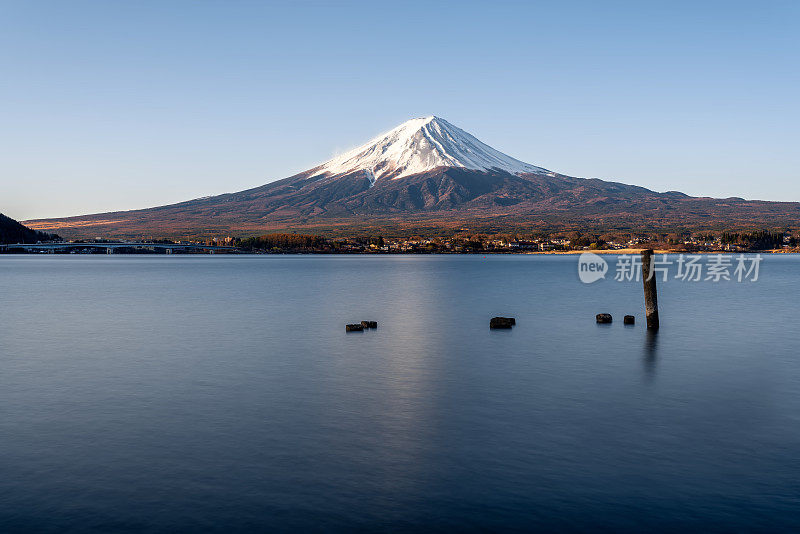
[[220, 393]]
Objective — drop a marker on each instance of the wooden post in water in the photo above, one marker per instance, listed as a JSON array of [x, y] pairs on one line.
[[650, 292]]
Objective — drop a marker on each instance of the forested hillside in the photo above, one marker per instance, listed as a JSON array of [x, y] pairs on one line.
[[13, 232]]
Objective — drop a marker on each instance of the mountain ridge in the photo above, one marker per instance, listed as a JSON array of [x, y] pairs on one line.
[[427, 172]]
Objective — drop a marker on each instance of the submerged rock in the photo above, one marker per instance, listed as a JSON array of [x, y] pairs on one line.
[[629, 319], [502, 322], [604, 318]]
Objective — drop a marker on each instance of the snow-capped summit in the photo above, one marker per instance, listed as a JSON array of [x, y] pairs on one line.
[[420, 145]]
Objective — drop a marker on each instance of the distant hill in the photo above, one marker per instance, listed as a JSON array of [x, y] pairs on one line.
[[428, 176], [13, 232]]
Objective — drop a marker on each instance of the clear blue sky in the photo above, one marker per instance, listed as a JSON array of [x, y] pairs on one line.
[[108, 105]]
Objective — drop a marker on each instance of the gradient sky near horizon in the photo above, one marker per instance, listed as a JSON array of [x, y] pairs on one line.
[[111, 105]]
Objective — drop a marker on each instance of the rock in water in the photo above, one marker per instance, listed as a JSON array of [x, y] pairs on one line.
[[354, 328], [604, 318], [629, 319], [369, 324], [502, 322]]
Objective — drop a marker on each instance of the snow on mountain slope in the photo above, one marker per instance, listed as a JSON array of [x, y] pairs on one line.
[[420, 145]]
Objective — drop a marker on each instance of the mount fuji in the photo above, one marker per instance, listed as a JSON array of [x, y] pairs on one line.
[[423, 145], [426, 176]]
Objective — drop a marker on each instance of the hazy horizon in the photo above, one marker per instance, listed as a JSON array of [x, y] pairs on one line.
[[125, 106]]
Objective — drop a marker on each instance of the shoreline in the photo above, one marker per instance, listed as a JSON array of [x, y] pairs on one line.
[[606, 252]]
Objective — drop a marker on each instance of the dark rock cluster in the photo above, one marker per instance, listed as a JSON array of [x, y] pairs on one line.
[[360, 327], [604, 318], [502, 322]]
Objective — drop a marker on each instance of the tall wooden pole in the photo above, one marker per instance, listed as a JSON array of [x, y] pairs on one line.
[[650, 292]]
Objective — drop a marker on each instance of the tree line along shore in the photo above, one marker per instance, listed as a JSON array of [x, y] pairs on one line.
[[465, 242], [510, 243], [282, 243]]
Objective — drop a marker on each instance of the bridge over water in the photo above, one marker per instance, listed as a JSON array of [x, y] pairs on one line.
[[111, 247]]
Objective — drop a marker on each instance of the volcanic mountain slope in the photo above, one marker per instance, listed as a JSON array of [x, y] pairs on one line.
[[429, 174]]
